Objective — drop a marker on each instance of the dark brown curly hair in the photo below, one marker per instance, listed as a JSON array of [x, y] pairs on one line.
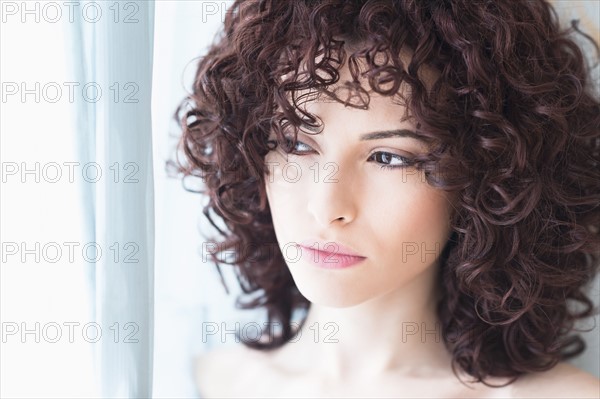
[[514, 127]]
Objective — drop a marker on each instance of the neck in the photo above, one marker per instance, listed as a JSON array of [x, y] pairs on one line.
[[396, 332]]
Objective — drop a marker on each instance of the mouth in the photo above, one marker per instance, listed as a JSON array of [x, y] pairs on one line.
[[330, 257]]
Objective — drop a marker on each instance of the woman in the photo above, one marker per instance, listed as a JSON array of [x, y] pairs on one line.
[[412, 189]]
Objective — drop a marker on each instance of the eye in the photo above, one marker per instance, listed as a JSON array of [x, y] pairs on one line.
[[388, 160], [299, 144]]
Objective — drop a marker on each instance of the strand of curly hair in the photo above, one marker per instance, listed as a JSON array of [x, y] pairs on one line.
[[515, 132]]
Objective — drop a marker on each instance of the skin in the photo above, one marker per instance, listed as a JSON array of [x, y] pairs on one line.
[[400, 224], [391, 217], [238, 372]]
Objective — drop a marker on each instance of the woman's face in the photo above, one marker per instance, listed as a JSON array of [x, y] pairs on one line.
[[335, 190]]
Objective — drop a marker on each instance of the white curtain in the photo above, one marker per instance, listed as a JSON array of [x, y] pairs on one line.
[[116, 53]]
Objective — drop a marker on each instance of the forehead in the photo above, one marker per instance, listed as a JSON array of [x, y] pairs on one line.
[[377, 109]]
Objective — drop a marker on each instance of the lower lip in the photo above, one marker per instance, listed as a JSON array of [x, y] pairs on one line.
[[327, 260]]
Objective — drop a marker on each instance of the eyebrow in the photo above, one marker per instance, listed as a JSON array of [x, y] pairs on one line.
[[384, 134]]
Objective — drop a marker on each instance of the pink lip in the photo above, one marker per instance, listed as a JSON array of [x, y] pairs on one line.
[[329, 255]]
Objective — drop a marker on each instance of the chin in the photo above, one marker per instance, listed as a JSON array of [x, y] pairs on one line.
[[332, 295]]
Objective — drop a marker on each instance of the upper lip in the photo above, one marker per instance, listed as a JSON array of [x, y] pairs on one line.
[[333, 247]]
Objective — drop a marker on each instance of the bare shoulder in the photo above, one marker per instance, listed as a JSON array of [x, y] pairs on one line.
[[562, 381], [216, 369]]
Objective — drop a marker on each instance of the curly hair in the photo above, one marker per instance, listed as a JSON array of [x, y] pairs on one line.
[[515, 130]]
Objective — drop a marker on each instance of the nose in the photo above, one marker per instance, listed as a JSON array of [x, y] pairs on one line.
[[333, 200]]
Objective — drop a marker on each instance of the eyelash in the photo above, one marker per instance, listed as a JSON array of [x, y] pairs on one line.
[[407, 162]]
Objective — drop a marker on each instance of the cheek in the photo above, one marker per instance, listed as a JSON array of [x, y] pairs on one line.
[[278, 190], [288, 182], [282, 194], [413, 223]]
